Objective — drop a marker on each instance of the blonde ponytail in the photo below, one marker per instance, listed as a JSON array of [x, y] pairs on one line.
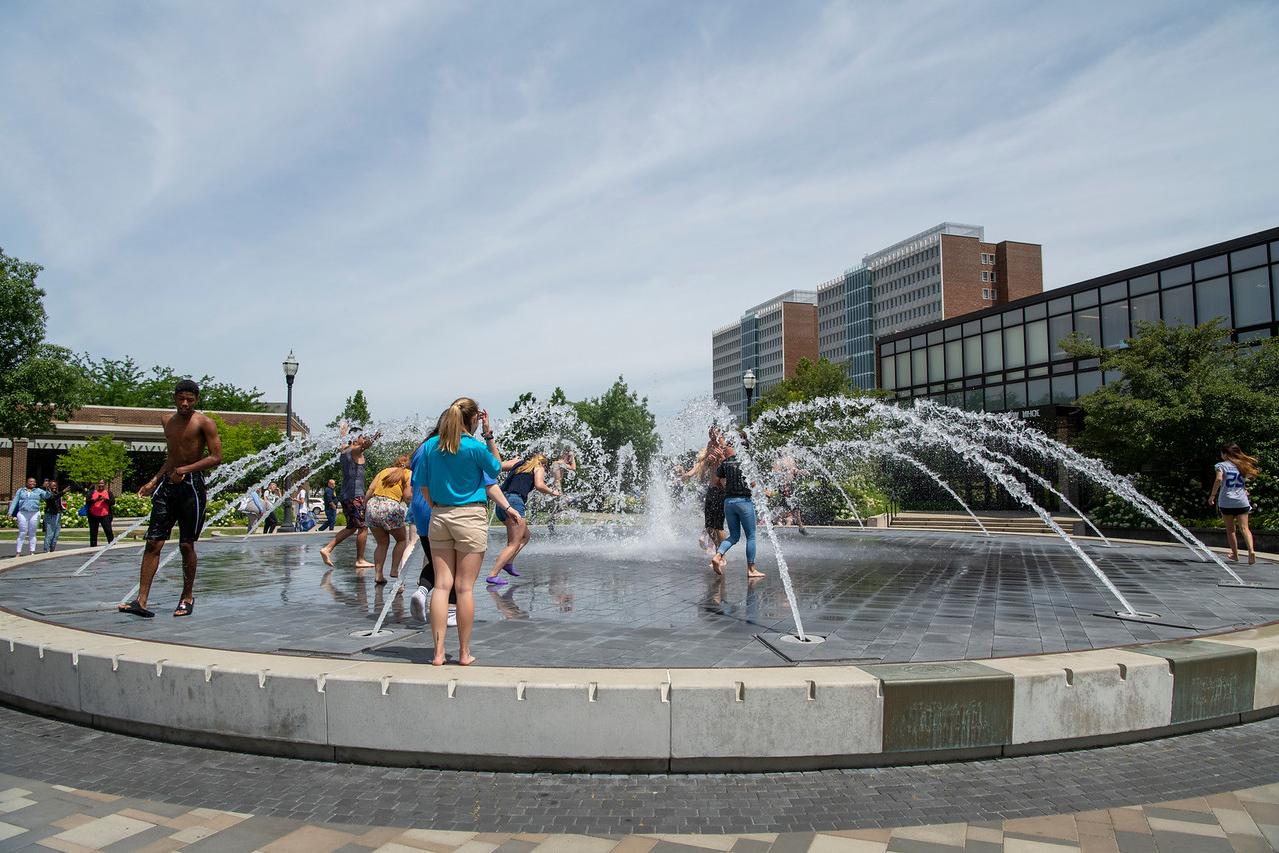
[[453, 423]]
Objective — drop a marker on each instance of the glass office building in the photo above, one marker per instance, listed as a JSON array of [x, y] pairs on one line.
[[1009, 358]]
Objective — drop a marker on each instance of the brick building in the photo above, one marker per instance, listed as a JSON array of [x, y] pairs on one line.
[[137, 429], [769, 340]]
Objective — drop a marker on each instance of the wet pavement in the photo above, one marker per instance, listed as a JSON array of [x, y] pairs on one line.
[[648, 601]]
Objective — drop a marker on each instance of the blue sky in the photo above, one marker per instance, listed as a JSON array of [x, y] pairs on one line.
[[432, 199]]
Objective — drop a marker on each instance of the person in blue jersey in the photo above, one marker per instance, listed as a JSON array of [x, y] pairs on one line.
[[1230, 496], [450, 475], [526, 476]]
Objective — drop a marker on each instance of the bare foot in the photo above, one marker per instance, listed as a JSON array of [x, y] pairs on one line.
[[327, 557], [753, 573], [465, 659], [438, 660], [363, 564], [1252, 559]]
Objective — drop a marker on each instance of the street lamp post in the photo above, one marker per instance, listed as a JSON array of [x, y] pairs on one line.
[[290, 371], [748, 382]]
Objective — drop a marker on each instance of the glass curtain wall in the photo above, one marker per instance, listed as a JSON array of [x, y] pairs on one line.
[[1014, 360]]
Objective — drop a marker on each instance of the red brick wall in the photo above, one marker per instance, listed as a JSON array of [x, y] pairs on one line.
[[1020, 270], [799, 335], [961, 275]]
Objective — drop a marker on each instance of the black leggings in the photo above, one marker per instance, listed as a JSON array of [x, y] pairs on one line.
[[427, 578], [95, 522]]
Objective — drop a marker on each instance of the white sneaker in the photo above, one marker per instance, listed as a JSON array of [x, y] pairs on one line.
[[452, 621], [417, 604]]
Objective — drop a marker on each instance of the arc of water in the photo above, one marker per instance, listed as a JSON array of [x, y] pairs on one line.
[[1018, 491], [805, 453], [1043, 481], [237, 469], [1096, 471], [931, 432], [751, 471], [395, 589], [890, 449], [391, 433]]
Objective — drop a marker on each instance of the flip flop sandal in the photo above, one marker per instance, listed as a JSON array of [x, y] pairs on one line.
[[133, 608], [185, 608]]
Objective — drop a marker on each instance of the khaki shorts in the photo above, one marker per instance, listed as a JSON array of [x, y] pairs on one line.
[[464, 529]]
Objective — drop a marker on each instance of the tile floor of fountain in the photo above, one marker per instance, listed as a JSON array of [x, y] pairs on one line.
[[880, 596]]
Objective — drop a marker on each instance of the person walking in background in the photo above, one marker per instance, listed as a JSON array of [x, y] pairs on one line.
[[100, 505], [253, 508], [273, 499], [352, 495], [739, 511], [25, 507], [330, 506], [525, 476], [450, 475], [386, 504], [1230, 496], [54, 506], [300, 509]]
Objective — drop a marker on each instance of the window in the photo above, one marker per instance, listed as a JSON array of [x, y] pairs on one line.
[[992, 351], [936, 370], [1179, 306], [1014, 347], [1015, 395], [994, 398], [1111, 292], [1144, 284], [987, 293], [1063, 389], [1060, 305], [1085, 299], [919, 366], [1145, 309], [992, 275], [1088, 324], [1210, 268], [1037, 393], [1059, 329], [954, 360], [1037, 342], [1175, 276], [1252, 297], [887, 374], [1212, 298], [972, 356], [985, 275], [1088, 382], [1114, 323]]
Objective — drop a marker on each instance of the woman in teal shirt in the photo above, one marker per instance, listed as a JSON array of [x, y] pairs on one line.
[[450, 475]]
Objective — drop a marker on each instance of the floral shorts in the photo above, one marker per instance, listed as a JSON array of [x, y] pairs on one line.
[[386, 513]]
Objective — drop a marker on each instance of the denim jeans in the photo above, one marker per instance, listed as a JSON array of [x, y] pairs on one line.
[[52, 528], [740, 514], [330, 519]]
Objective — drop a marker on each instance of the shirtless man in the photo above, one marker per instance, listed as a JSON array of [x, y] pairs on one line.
[[177, 495]]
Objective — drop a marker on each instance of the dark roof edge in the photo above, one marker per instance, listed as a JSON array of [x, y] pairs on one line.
[[1231, 245]]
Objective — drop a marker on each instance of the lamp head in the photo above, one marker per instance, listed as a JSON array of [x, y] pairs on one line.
[[290, 366]]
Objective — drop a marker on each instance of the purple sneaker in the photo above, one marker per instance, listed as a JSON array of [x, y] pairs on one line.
[[509, 568], [496, 580]]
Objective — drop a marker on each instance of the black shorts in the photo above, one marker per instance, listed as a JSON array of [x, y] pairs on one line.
[[713, 508], [181, 503], [1235, 510]]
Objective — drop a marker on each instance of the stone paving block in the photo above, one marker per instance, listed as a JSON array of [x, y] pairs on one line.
[[1209, 679], [956, 705]]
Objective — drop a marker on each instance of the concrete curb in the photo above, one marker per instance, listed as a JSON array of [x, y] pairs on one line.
[[636, 720]]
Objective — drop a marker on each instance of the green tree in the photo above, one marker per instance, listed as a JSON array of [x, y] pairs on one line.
[[124, 382], [245, 439], [558, 397], [619, 416], [812, 380], [356, 411], [39, 383], [525, 399], [100, 459], [1180, 392]]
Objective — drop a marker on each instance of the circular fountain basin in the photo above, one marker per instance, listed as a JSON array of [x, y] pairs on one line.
[[629, 654]]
